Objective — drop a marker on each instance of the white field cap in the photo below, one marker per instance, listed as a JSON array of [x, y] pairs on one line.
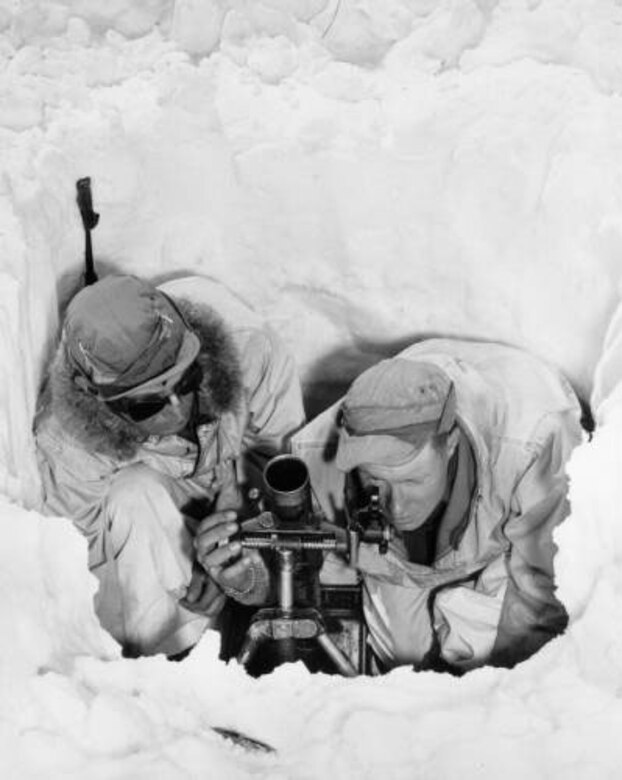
[[391, 409], [125, 337]]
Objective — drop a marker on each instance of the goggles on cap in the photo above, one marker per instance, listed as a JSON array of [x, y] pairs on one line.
[[159, 385], [139, 408], [381, 450], [409, 422]]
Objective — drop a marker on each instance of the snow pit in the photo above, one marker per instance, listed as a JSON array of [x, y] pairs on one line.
[[361, 174]]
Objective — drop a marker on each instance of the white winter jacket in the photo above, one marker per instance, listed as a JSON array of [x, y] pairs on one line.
[[79, 458], [489, 596]]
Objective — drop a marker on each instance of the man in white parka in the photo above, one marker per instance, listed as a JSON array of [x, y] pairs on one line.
[[159, 405], [467, 443]]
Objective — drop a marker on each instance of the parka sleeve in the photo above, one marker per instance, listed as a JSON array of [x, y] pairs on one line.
[[517, 590], [531, 613], [274, 395], [74, 482]]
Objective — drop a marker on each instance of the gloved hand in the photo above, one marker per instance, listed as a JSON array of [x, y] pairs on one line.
[[241, 573], [203, 596]]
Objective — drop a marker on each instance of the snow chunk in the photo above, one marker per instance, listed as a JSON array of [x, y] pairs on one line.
[[197, 25], [20, 107], [273, 59], [46, 592]]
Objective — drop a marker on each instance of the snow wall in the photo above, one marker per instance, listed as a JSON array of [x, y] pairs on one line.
[[363, 174]]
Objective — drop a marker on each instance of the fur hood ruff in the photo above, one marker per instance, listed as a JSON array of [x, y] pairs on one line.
[[89, 420]]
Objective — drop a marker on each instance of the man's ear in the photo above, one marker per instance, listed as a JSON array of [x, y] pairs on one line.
[[453, 437]]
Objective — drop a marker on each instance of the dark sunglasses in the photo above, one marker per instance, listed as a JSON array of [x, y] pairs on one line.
[[143, 407]]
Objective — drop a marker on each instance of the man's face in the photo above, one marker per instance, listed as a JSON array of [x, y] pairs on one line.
[[172, 418], [165, 413], [412, 488]]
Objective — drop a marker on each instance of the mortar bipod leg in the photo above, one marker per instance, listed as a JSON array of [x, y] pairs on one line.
[[249, 648], [342, 663]]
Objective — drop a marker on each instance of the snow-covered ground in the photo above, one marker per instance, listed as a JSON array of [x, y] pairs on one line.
[[361, 172]]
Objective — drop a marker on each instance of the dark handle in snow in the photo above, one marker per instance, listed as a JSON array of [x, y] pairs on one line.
[[89, 221]]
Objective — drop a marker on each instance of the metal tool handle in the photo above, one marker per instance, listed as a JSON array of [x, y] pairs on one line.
[[89, 221]]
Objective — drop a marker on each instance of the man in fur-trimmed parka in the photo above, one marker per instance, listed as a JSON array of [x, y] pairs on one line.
[[467, 444], [155, 413]]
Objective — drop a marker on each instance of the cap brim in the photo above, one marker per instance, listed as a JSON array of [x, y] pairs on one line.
[[164, 382], [375, 450]]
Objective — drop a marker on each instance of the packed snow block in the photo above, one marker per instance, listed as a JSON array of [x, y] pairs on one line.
[[607, 392], [37, 20], [590, 540], [20, 108], [18, 471], [197, 25], [46, 595], [587, 564], [361, 31]]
